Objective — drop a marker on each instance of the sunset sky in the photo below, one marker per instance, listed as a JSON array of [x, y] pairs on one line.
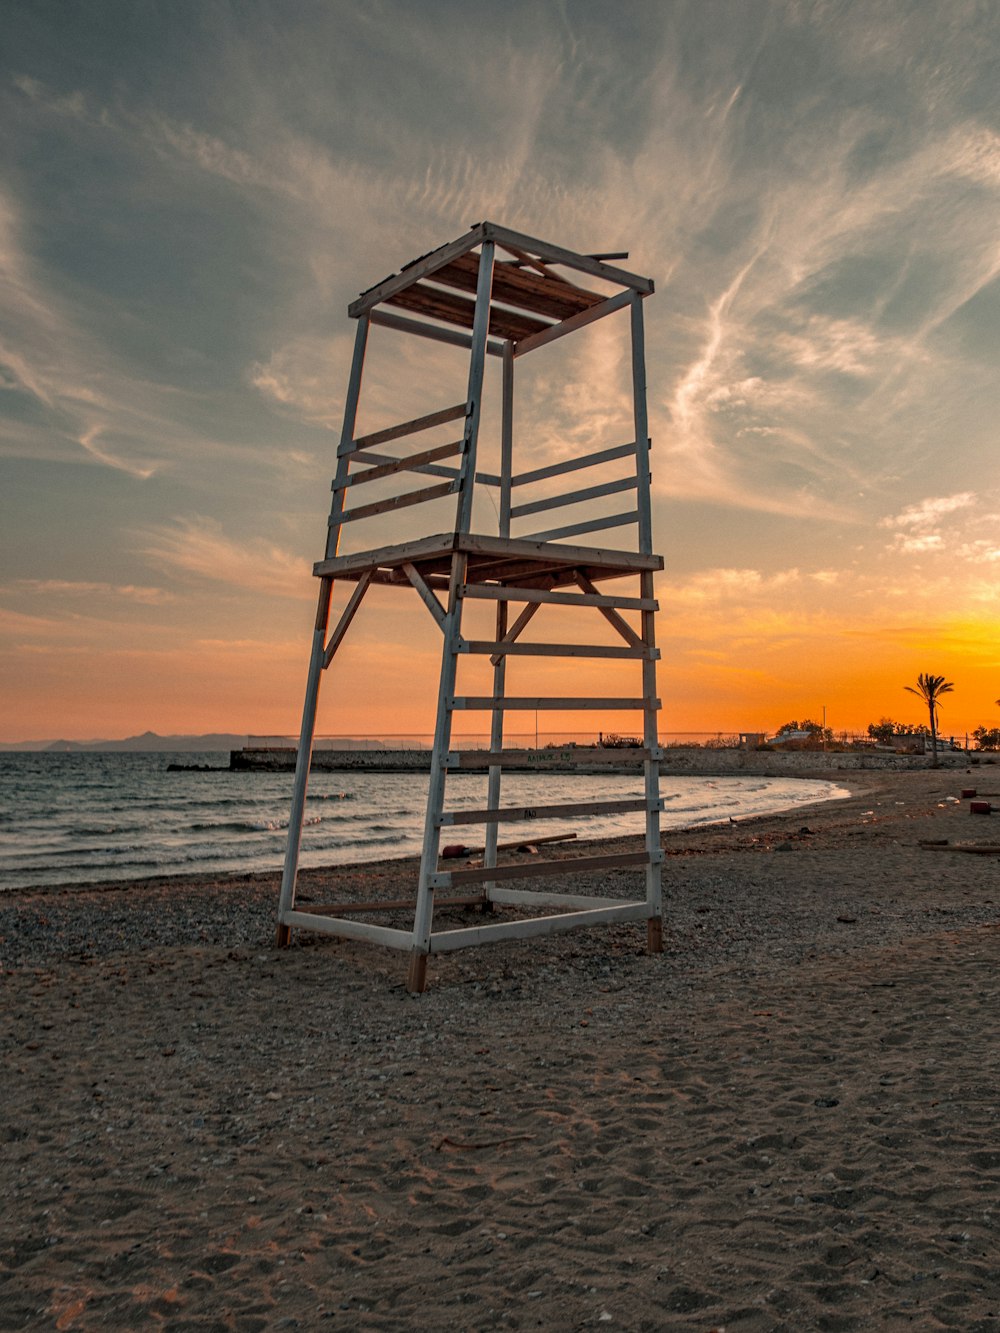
[[191, 193]]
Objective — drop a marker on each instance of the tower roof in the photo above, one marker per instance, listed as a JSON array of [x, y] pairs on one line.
[[529, 295]]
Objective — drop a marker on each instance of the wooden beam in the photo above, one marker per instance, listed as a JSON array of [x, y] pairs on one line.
[[568, 865], [610, 615], [513, 547], [346, 616], [546, 336], [497, 592], [521, 623], [425, 469], [515, 631], [593, 525], [420, 268], [521, 813], [441, 418], [575, 497], [398, 502], [385, 319], [554, 254], [641, 419], [550, 705], [426, 596], [541, 898], [547, 294], [386, 905], [452, 309], [351, 930], [392, 465], [626, 756], [448, 940], [595, 650], [574, 464], [514, 557]]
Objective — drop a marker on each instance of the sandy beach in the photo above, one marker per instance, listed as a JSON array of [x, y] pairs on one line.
[[788, 1120]]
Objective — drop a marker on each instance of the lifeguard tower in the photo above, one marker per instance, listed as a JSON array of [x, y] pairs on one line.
[[497, 293]]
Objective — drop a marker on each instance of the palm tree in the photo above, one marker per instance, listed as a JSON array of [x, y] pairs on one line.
[[930, 688]]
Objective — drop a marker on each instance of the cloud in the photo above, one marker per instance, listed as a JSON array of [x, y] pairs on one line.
[[712, 586], [981, 549], [929, 541], [808, 237], [16, 624], [197, 546], [945, 525], [86, 394], [146, 596], [89, 440], [927, 513]]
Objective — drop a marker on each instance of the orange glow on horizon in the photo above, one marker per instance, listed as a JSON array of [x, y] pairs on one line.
[[711, 680]]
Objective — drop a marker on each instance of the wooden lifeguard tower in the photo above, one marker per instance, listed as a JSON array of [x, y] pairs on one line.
[[521, 300]]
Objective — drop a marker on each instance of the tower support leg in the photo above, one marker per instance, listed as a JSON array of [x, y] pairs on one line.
[[424, 914], [651, 740], [416, 977], [496, 744], [303, 761]]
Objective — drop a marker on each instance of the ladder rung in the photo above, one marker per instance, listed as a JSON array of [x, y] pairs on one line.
[[508, 649], [383, 905], [566, 705], [574, 464], [578, 529], [575, 497], [393, 465], [425, 469], [494, 592], [406, 428], [519, 813], [571, 865], [480, 759], [397, 502]]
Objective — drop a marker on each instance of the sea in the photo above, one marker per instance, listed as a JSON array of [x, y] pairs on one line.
[[76, 818]]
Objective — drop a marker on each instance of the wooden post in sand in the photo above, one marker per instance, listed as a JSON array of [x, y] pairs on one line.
[[495, 292]]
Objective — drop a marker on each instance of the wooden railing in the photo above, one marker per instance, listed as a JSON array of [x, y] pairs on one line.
[[579, 496]]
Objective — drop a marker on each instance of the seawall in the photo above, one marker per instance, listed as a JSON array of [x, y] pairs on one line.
[[677, 760]]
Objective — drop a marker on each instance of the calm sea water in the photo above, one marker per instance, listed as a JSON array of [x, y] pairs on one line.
[[74, 818]]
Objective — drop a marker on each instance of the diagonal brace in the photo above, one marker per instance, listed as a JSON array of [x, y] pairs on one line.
[[515, 630], [346, 616], [610, 614], [426, 595]]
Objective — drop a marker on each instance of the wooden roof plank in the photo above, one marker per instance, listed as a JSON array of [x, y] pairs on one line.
[[419, 268], [453, 309], [551, 296], [555, 254], [516, 243]]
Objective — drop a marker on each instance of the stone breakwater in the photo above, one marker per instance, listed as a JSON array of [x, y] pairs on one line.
[[408, 761], [678, 760]]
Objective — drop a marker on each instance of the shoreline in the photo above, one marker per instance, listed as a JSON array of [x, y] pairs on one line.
[[786, 1121], [123, 881]]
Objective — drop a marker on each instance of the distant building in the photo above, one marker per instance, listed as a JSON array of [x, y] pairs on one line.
[[910, 742], [795, 738]]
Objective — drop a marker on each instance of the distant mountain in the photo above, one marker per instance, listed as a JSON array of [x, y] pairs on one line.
[[149, 740]]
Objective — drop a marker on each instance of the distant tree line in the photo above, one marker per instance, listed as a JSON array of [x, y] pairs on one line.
[[930, 688], [885, 730]]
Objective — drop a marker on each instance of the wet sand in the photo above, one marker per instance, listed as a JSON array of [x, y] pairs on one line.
[[788, 1120]]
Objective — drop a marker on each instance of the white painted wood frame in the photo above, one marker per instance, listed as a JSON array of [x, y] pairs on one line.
[[543, 571]]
